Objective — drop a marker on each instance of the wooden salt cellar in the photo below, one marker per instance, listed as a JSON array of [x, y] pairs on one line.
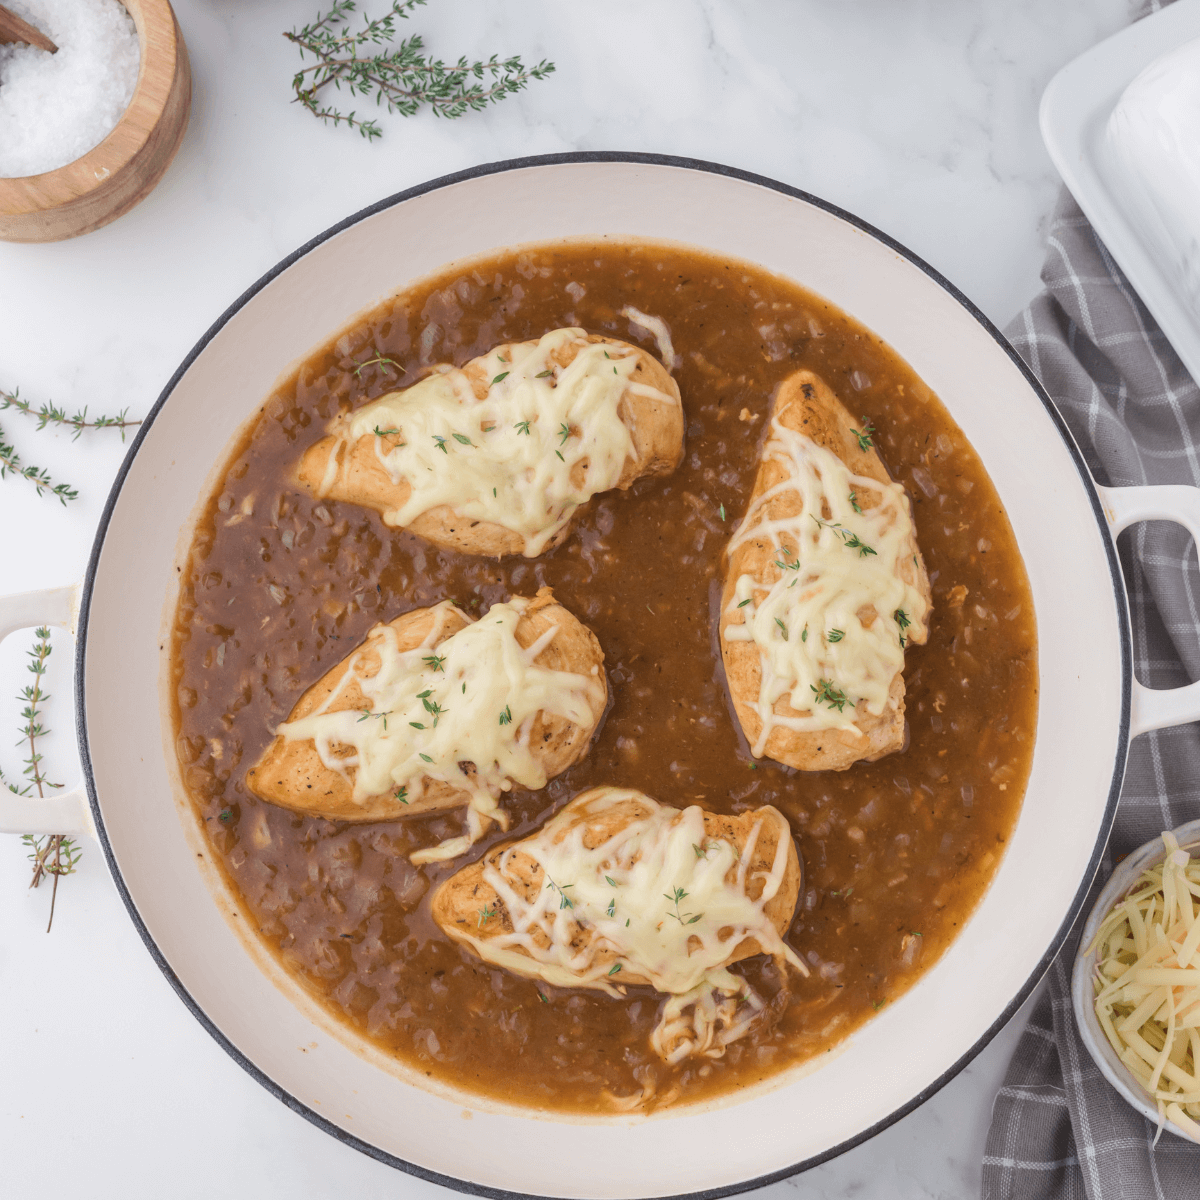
[[124, 168]]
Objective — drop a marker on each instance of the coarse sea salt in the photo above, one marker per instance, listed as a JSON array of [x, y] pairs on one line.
[[55, 107]]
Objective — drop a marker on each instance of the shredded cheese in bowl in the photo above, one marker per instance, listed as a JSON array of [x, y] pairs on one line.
[[1147, 985]]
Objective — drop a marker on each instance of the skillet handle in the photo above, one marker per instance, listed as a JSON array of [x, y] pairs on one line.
[[1157, 708], [67, 811]]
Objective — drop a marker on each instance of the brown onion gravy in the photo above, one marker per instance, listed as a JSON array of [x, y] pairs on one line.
[[897, 853]]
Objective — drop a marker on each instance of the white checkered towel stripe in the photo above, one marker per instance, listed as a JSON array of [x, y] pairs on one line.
[[1059, 1131]]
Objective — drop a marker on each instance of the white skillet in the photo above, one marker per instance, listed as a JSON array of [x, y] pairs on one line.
[[1090, 704]]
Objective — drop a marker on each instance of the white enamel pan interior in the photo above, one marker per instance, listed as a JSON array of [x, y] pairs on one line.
[[1089, 704]]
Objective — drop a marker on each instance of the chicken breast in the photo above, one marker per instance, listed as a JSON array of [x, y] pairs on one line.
[[824, 589], [496, 458], [443, 711], [486, 906]]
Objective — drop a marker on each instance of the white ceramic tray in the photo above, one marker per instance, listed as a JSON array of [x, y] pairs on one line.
[[1075, 109]]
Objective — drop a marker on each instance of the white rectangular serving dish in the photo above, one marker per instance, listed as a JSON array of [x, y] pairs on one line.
[[1075, 110]]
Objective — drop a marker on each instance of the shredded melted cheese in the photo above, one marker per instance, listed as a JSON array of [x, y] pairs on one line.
[[543, 440], [832, 625], [658, 327], [469, 701], [1147, 984], [659, 899]]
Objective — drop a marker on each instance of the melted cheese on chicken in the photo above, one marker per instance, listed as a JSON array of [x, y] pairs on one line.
[[458, 711], [660, 900], [832, 628], [542, 442]]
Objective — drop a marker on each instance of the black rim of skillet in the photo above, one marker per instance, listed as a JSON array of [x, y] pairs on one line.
[[688, 164]]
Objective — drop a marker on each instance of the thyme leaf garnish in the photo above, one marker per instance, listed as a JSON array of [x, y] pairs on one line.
[[564, 432], [502, 375], [835, 635], [486, 913], [366, 712], [506, 715], [380, 360], [435, 662], [864, 436], [853, 543], [566, 901], [522, 427], [826, 693], [854, 502], [783, 629], [850, 540], [676, 895], [616, 968], [402, 795], [463, 439], [441, 443]]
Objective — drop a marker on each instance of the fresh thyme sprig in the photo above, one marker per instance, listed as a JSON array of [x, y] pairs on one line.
[[676, 895], [378, 716], [566, 901], [51, 414], [52, 854], [380, 360], [10, 460], [826, 693], [864, 436], [401, 78], [33, 696], [851, 540]]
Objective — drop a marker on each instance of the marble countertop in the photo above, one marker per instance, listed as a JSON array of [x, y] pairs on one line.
[[920, 117]]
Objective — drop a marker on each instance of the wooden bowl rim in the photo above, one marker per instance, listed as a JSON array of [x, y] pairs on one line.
[[155, 23]]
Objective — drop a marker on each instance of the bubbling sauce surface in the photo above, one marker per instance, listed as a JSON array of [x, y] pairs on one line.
[[280, 587]]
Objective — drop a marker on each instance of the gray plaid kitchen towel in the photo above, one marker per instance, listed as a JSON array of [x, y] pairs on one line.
[[1059, 1130]]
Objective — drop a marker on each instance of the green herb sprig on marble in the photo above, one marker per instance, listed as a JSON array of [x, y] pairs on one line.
[[401, 78], [49, 415], [52, 854]]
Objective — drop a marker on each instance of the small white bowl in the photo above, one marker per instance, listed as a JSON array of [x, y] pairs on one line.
[[1127, 873]]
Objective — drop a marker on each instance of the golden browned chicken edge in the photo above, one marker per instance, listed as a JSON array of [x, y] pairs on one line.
[[806, 404], [457, 902], [292, 775], [656, 429]]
